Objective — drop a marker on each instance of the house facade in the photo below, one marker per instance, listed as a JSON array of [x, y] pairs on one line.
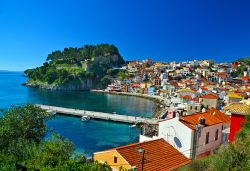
[[196, 135]]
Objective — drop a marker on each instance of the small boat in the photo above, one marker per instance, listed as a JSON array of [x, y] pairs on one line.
[[85, 118], [132, 126]]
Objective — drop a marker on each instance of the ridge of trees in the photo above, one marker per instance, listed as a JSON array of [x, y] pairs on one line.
[[62, 67]]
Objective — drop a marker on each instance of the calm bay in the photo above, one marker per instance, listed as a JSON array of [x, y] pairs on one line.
[[90, 136]]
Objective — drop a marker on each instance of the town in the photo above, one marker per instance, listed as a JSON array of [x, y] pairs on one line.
[[203, 107]]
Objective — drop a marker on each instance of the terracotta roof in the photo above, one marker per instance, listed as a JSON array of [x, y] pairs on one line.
[[196, 99], [209, 96], [211, 83], [186, 90], [236, 64], [245, 78], [203, 88], [159, 155], [186, 97], [222, 74], [238, 108], [211, 116], [222, 116]]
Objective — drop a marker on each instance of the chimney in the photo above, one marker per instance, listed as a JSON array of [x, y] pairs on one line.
[[203, 110], [202, 121]]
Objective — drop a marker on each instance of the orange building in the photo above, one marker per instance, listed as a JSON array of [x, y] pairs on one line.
[[158, 155]]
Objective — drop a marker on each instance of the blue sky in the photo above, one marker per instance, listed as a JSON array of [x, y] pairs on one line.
[[163, 30]]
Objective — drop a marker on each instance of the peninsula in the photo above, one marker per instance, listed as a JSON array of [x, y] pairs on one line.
[[90, 66]]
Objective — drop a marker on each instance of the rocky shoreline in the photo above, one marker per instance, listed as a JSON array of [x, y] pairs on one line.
[[159, 101], [80, 85]]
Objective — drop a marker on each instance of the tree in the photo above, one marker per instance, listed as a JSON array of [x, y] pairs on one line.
[[67, 66], [22, 144], [122, 74]]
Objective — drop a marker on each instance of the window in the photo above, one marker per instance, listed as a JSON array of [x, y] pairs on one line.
[[207, 138], [222, 127], [196, 107], [115, 159], [216, 134]]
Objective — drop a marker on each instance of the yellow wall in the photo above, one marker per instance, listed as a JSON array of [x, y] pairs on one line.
[[209, 102], [108, 156]]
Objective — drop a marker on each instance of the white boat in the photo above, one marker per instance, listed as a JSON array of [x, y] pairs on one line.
[[132, 126], [85, 118]]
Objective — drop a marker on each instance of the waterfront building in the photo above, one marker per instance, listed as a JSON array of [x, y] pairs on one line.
[[156, 81], [114, 86], [152, 90]]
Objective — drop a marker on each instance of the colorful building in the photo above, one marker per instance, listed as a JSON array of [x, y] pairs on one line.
[[155, 155], [238, 112], [198, 134]]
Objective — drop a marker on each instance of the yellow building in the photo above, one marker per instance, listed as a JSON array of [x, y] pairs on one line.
[[145, 85], [158, 155], [209, 100], [234, 97]]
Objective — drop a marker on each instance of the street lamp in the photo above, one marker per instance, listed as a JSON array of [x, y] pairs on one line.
[[142, 159]]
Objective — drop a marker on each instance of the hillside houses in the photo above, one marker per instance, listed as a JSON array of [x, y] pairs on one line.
[[204, 103]]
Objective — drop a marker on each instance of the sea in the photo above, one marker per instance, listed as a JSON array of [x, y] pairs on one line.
[[89, 136]]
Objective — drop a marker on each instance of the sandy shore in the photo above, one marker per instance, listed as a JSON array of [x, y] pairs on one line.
[[159, 101]]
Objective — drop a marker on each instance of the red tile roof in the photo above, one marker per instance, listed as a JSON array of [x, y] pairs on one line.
[[159, 155], [203, 88], [245, 78], [211, 116], [209, 96], [196, 99], [211, 83], [222, 74], [222, 116], [186, 97]]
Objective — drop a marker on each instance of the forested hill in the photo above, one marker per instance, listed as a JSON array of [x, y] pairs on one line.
[[76, 68]]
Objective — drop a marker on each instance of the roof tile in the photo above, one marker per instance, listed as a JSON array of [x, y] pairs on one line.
[[159, 155]]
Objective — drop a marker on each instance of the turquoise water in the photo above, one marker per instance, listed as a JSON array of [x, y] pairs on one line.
[[90, 136]]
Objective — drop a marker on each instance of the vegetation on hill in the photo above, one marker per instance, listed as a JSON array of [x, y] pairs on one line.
[[239, 72], [245, 60], [76, 66], [235, 156], [23, 147]]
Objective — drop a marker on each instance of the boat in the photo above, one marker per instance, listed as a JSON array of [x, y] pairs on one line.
[[132, 126], [85, 118]]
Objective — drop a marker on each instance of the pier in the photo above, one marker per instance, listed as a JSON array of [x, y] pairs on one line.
[[98, 115]]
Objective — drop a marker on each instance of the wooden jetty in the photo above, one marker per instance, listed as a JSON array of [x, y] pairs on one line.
[[98, 115]]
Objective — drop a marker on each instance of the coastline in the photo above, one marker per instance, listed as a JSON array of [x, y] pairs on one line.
[[159, 101]]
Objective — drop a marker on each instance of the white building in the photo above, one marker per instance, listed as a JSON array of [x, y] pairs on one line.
[[197, 134]]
